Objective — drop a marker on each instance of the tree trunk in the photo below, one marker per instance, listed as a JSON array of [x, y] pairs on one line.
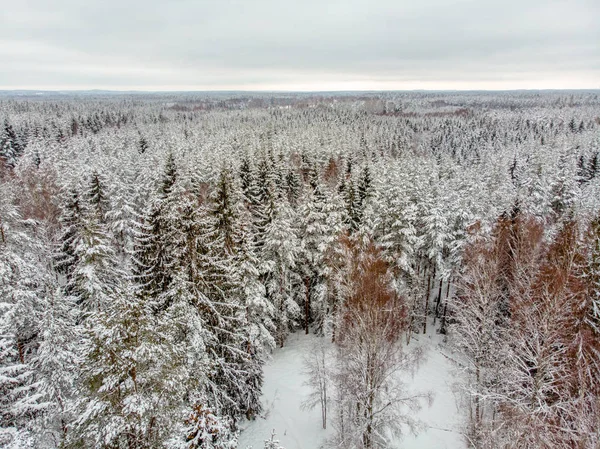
[[324, 407], [21, 351], [477, 423], [334, 314], [2, 232], [437, 301], [307, 304], [411, 319], [443, 322], [429, 279]]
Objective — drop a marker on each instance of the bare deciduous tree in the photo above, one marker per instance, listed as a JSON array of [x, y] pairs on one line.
[[318, 369], [373, 404]]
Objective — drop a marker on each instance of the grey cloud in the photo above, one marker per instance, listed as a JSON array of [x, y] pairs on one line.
[[224, 44]]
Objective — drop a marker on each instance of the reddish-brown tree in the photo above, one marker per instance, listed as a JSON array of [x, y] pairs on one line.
[[522, 322], [371, 399]]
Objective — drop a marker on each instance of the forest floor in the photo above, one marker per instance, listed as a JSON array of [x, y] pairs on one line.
[[283, 393]]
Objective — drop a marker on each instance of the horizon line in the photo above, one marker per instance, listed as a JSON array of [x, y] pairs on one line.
[[159, 91]]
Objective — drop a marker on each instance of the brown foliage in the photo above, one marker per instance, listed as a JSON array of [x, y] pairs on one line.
[[548, 393], [38, 195], [5, 170], [372, 402], [370, 294], [518, 248], [331, 172]]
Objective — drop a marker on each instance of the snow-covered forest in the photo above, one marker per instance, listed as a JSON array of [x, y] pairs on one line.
[[157, 249]]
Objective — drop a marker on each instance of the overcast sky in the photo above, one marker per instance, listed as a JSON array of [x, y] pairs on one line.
[[299, 44]]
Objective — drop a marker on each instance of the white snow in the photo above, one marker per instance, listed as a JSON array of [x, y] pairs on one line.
[[283, 392], [443, 419]]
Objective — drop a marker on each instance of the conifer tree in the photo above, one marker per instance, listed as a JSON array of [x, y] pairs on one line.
[[154, 245], [280, 254], [98, 203], [353, 211], [10, 145], [364, 186], [272, 443], [123, 212], [248, 184], [132, 377], [95, 274], [240, 361], [24, 285], [266, 195], [86, 255], [205, 430], [205, 253], [293, 186], [259, 310], [55, 357], [71, 221], [319, 227]]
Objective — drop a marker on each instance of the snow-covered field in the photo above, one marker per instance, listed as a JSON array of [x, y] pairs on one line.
[[283, 392]]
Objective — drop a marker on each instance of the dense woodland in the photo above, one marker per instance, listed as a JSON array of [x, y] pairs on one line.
[[155, 249]]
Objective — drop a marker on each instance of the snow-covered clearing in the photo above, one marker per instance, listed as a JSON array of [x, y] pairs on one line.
[[283, 392]]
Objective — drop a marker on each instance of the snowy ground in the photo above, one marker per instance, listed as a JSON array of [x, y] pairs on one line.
[[283, 393], [443, 419]]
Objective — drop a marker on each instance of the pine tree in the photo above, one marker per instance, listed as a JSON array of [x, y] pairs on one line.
[[319, 227], [153, 254], [272, 443], [401, 244], [23, 282], [20, 401], [364, 186], [132, 377], [10, 145], [293, 186], [563, 190], [279, 254], [154, 243], [259, 311], [593, 166], [266, 196], [353, 210], [398, 232], [205, 255], [143, 145], [224, 213], [247, 181], [71, 221], [205, 430], [55, 357], [99, 205], [169, 176], [94, 275], [86, 255], [240, 373], [123, 212]]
